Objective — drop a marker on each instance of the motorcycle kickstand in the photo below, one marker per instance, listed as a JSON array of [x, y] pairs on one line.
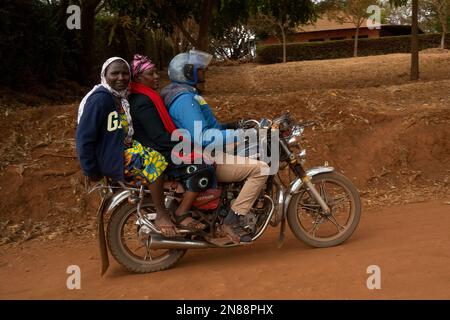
[[282, 233]]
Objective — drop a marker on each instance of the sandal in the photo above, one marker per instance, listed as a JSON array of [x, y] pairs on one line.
[[193, 225], [168, 229]]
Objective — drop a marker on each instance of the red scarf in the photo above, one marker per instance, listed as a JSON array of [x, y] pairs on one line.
[[139, 88], [157, 100]]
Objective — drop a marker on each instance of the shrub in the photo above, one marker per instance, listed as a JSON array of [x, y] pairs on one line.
[[344, 48]]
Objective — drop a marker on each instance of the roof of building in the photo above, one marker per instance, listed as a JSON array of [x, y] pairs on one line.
[[324, 23]]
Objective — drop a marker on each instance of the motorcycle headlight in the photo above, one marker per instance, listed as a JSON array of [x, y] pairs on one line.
[[295, 137], [293, 141], [297, 131]]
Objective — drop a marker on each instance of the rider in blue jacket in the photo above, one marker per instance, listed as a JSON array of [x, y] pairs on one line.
[[188, 109]]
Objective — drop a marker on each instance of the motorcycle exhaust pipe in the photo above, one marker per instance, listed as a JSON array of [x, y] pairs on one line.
[[159, 242]]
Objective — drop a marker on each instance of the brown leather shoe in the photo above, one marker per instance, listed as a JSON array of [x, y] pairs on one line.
[[237, 233]]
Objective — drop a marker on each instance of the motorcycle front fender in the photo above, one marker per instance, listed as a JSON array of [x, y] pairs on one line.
[[298, 183]]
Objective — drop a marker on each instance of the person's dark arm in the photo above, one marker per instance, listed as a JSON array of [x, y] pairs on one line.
[[148, 117]]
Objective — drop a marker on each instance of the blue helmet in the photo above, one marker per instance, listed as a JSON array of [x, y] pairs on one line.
[[183, 67]]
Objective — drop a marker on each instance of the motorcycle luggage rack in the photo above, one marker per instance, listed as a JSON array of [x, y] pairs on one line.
[[108, 187]]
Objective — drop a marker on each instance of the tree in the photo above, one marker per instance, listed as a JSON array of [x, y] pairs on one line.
[[30, 49], [83, 37], [415, 41], [396, 15], [414, 35], [267, 24], [89, 9], [178, 38], [284, 15], [441, 9], [210, 16], [349, 11], [235, 44]]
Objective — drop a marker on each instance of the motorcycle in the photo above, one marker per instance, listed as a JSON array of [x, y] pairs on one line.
[[322, 208]]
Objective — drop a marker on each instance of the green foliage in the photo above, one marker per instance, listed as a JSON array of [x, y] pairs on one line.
[[354, 11], [150, 14], [235, 44], [287, 12], [280, 17], [31, 45], [230, 14], [344, 48], [166, 14], [152, 43], [398, 3], [438, 25], [36, 47]]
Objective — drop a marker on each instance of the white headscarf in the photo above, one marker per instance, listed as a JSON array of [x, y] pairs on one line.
[[121, 94]]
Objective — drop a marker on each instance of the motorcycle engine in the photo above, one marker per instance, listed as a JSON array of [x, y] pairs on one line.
[[255, 218]]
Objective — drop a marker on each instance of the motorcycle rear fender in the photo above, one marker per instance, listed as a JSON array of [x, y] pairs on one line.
[[107, 206], [116, 200], [297, 184]]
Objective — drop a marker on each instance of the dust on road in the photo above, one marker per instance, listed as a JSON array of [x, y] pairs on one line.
[[409, 243]]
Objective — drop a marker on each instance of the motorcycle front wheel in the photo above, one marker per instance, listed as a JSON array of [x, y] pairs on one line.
[[311, 225], [132, 252]]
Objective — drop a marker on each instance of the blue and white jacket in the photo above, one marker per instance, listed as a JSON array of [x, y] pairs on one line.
[[186, 106], [100, 137]]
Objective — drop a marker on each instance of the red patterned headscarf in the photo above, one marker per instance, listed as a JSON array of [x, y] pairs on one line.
[[140, 64]]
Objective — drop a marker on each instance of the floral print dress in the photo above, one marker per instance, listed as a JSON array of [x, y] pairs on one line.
[[142, 165]]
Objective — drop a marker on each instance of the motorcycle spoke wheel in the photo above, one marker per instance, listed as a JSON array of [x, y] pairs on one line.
[[312, 225], [131, 249], [135, 247], [310, 213]]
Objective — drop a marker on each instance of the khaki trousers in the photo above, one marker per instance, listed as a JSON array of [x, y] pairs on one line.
[[235, 169]]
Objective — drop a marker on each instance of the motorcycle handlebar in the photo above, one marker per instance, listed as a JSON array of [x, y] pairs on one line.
[[251, 123]]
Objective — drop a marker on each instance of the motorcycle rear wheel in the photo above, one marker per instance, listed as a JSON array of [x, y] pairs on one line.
[[343, 199], [129, 251]]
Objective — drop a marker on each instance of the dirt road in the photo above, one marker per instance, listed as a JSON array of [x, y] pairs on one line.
[[409, 243]]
